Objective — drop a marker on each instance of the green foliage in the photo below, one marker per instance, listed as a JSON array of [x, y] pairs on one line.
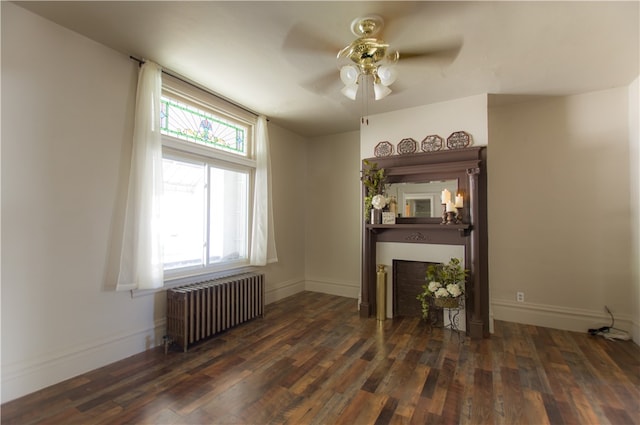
[[439, 278], [374, 179]]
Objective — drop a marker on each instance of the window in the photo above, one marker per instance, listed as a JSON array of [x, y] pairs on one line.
[[208, 173], [192, 124]]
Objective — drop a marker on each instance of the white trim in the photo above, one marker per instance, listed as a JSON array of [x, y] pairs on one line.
[[283, 290], [557, 317], [332, 287], [198, 152], [194, 278]]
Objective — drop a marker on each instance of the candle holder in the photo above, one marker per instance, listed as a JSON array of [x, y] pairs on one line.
[[444, 214], [451, 217]]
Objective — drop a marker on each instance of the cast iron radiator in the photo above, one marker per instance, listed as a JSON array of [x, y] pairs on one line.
[[201, 310]]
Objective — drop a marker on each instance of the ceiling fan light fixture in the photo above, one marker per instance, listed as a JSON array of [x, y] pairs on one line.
[[380, 91], [350, 91], [349, 75], [387, 74], [367, 64]]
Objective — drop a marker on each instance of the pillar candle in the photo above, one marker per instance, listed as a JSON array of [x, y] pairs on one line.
[[459, 202], [446, 196]]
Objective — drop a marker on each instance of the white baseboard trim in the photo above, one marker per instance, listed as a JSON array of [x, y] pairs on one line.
[[333, 287], [24, 378], [284, 290], [557, 317]]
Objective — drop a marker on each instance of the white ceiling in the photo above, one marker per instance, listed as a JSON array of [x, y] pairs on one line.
[[278, 58]]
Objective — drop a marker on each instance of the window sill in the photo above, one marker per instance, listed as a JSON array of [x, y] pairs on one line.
[[174, 282]]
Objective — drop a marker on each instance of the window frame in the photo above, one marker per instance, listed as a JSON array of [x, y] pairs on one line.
[[183, 150]]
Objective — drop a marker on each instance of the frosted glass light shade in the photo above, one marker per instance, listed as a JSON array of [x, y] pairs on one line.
[[387, 74], [350, 91], [349, 74], [380, 91]]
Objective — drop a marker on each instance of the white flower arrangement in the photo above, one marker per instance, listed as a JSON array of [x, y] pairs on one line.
[[444, 281], [379, 202], [452, 290]]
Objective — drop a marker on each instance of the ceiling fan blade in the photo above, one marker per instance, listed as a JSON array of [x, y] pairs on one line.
[[399, 87], [302, 38], [323, 84], [443, 53]]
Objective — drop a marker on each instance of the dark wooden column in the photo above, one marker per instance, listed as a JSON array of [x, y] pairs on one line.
[[367, 293], [475, 322]]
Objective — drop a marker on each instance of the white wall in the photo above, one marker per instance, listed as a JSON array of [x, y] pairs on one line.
[[468, 114], [67, 107], [559, 210], [67, 122], [333, 216], [289, 185]]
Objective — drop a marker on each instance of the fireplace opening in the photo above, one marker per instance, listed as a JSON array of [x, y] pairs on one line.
[[408, 278]]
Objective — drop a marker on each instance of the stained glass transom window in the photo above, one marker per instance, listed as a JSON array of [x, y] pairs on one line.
[[189, 123]]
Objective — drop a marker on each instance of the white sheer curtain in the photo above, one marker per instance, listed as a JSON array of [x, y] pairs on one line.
[[141, 255], [263, 245]]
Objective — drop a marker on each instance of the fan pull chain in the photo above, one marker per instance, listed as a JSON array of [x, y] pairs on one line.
[[364, 85]]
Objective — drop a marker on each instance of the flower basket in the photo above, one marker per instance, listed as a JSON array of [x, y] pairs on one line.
[[445, 287], [446, 302]]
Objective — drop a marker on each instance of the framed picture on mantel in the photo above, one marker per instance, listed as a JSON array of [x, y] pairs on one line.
[[388, 217]]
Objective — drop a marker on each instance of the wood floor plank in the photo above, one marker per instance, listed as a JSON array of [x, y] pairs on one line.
[[312, 360], [512, 397], [408, 394], [386, 414], [452, 408], [483, 402], [534, 408], [364, 409], [442, 386]]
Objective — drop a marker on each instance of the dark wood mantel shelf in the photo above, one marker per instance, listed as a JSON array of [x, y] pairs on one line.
[[462, 229]]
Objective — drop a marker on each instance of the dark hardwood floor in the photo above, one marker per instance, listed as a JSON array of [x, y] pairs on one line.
[[313, 360]]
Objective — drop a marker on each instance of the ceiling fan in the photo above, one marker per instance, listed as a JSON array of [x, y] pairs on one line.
[[368, 64], [367, 60]]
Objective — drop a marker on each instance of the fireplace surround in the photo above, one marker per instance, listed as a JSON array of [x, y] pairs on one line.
[[468, 168]]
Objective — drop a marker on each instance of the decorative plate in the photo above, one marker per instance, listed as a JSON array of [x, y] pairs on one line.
[[407, 146], [458, 140], [432, 143], [383, 149]]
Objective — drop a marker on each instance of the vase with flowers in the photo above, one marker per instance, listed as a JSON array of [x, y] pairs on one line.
[[445, 285], [375, 181]]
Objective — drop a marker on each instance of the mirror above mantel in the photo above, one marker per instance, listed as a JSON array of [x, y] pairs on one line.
[[420, 199]]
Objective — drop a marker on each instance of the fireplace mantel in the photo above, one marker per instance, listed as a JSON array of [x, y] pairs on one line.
[[468, 167], [462, 229]]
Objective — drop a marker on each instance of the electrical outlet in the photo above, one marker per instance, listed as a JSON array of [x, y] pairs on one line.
[[520, 297]]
